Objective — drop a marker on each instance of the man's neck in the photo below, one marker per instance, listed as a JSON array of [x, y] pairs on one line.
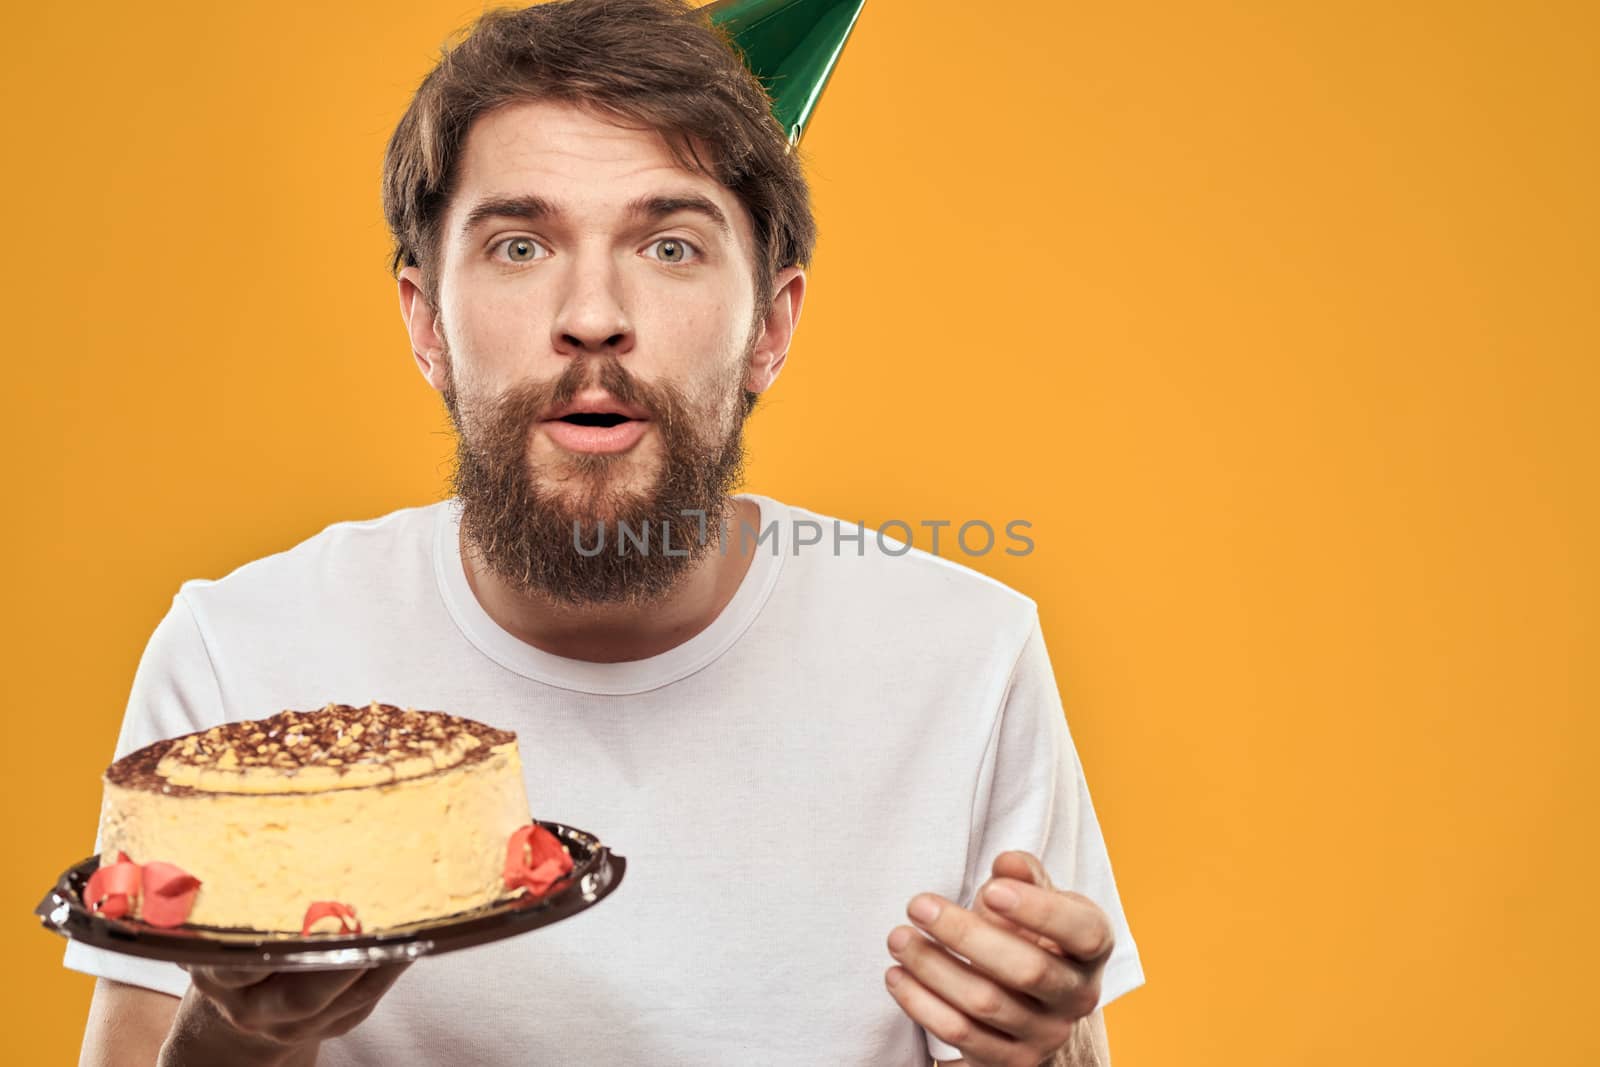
[[608, 633]]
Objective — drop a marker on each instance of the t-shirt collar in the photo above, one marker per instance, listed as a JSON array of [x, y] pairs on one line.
[[629, 676]]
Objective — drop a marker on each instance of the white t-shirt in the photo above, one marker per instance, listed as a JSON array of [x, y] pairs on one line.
[[854, 728]]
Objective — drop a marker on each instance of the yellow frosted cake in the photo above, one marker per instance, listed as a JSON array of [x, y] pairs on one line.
[[311, 821]]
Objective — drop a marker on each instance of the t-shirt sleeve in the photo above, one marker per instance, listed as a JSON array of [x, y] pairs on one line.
[[174, 692], [1032, 795]]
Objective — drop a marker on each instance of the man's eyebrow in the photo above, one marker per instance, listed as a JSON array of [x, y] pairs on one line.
[[646, 208], [522, 208], [655, 208]]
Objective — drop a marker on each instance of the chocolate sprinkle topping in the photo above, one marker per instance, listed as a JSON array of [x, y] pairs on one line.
[[337, 736]]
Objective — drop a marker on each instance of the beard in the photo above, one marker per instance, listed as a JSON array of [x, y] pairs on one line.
[[526, 521]]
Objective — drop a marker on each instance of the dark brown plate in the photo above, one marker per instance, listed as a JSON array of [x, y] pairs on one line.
[[596, 872]]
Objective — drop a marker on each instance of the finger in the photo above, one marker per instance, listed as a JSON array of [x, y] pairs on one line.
[[226, 977], [973, 994], [1018, 965], [227, 990], [340, 1025], [981, 906], [291, 996], [1070, 919], [1024, 867], [344, 1012], [359, 1001], [975, 1040], [370, 987]]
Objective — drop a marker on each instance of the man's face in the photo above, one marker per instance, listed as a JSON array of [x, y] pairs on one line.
[[595, 333]]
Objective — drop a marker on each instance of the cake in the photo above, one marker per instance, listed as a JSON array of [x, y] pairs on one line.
[[340, 819]]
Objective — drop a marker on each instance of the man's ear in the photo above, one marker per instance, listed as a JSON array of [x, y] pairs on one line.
[[422, 324], [777, 329]]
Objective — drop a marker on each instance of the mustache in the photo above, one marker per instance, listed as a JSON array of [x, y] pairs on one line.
[[524, 404]]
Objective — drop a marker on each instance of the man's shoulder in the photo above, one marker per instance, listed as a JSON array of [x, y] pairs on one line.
[[343, 559], [879, 570]]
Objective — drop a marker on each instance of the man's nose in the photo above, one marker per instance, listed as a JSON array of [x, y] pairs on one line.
[[591, 319]]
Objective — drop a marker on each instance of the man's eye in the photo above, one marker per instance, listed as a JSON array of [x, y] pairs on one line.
[[520, 249], [675, 250]]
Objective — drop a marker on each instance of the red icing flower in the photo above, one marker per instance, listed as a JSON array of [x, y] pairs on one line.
[[160, 894], [113, 888], [348, 923], [535, 860], [169, 893]]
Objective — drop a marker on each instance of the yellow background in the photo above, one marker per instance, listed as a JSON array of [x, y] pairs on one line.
[[1276, 320]]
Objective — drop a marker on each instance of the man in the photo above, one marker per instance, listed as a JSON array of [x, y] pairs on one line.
[[813, 754]]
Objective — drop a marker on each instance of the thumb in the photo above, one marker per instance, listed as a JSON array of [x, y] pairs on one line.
[[981, 907], [1024, 867], [1019, 867]]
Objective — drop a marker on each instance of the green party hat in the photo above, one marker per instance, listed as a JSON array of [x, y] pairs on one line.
[[791, 45]]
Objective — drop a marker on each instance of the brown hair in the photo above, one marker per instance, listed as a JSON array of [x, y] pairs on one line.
[[655, 62]]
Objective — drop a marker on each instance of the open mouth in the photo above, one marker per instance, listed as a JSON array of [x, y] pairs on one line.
[[607, 426], [595, 418]]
